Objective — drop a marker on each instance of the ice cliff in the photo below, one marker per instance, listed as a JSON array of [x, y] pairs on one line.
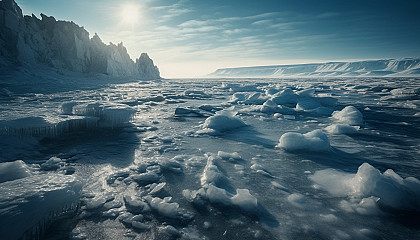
[[28, 41], [389, 67]]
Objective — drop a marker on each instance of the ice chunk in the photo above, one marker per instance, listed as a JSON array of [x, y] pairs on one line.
[[342, 129], [315, 141], [167, 208], [245, 200], [392, 190], [135, 205], [223, 122], [349, 115], [146, 178], [110, 115], [139, 225], [214, 188], [286, 96], [158, 188], [218, 195], [229, 156], [212, 174], [14, 170], [53, 163], [31, 201], [170, 231]]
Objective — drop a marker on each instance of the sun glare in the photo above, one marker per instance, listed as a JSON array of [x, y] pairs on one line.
[[130, 14]]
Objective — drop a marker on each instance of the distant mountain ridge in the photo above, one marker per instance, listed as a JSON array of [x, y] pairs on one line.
[[28, 41], [387, 67]]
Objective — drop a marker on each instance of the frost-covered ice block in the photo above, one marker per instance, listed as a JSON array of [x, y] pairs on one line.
[[110, 115], [389, 188], [46, 126], [245, 200], [116, 116], [223, 121], [28, 203], [349, 115], [315, 141], [167, 208]]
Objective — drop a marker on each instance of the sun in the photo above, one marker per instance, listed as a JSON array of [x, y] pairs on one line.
[[130, 14]]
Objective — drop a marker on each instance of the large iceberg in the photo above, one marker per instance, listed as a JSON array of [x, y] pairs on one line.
[[29, 41]]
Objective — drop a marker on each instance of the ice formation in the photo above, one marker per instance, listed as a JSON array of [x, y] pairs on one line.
[[64, 45], [30, 199], [223, 121], [387, 67], [217, 190], [72, 117], [349, 115], [389, 188], [315, 141]]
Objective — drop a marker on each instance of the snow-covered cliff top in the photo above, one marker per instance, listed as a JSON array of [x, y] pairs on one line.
[[389, 67]]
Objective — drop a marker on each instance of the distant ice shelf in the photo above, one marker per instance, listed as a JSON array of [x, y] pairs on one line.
[[388, 67]]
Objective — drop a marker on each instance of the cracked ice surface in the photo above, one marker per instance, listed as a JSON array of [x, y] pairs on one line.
[[213, 159]]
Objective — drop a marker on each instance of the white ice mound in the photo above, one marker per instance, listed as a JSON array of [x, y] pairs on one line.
[[286, 96], [390, 189], [223, 121], [13, 170], [349, 115], [27, 203], [315, 141]]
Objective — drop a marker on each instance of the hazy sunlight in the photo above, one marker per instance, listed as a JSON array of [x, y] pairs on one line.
[[130, 14]]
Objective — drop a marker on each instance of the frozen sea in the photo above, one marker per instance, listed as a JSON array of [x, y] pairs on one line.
[[322, 158]]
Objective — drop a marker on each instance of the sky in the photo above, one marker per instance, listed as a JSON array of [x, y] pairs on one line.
[[192, 38]]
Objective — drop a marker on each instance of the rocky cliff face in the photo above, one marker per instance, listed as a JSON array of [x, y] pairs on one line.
[[28, 41]]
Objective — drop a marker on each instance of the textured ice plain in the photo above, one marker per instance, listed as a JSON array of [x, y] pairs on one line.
[[160, 175]]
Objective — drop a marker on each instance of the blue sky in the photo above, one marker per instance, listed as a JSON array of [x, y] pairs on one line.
[[188, 38]]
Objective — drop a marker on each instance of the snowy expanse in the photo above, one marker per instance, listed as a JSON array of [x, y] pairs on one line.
[[104, 158]]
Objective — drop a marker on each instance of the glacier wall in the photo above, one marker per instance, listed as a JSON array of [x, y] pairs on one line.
[[389, 67], [29, 41]]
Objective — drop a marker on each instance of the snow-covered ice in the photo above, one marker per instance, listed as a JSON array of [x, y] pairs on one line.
[[215, 159], [315, 141]]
